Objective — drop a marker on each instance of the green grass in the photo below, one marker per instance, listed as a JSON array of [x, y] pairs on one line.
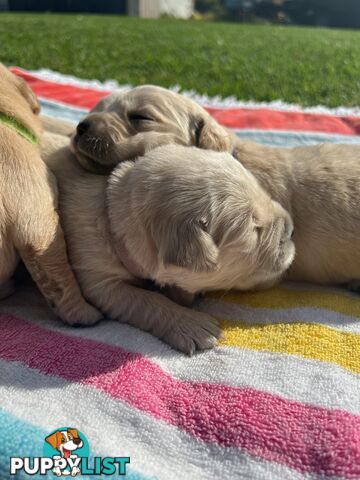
[[302, 65]]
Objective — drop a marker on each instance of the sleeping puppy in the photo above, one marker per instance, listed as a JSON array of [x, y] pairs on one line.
[[311, 183], [124, 126], [29, 223], [198, 216], [197, 220]]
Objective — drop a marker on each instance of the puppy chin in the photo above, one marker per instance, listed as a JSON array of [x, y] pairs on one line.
[[88, 163], [283, 262], [285, 257]]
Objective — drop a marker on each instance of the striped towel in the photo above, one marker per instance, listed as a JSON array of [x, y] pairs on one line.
[[279, 398]]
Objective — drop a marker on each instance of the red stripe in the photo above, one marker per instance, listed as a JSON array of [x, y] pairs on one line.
[[303, 437], [265, 119], [236, 118], [69, 94]]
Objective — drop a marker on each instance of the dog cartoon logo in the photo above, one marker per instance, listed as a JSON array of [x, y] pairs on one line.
[[66, 453], [66, 442]]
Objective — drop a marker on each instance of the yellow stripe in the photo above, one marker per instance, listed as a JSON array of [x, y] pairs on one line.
[[307, 340], [282, 298]]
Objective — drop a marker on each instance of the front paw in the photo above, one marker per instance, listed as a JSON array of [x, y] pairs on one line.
[[193, 331], [81, 316], [75, 471], [56, 471]]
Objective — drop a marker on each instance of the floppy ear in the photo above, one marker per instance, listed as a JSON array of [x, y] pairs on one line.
[[73, 432], [211, 136], [29, 95], [189, 246], [54, 439]]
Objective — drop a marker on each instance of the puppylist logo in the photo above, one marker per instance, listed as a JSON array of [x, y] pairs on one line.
[[66, 453]]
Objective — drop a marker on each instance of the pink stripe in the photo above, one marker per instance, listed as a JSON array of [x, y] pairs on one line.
[[301, 436]]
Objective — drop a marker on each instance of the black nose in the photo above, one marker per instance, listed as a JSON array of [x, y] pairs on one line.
[[83, 127], [77, 441]]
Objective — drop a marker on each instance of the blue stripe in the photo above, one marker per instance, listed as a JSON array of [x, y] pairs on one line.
[[21, 439], [276, 138], [64, 112]]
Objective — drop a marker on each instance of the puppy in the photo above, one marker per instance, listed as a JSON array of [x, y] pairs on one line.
[[200, 215], [317, 185], [29, 224], [125, 126], [198, 220], [66, 442]]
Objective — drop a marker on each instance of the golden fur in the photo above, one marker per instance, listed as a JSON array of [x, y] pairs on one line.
[[319, 185], [198, 220], [124, 126], [213, 212], [29, 223]]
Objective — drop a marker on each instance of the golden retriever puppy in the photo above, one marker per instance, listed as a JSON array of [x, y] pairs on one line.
[[195, 216], [198, 220], [318, 185], [29, 223], [124, 126]]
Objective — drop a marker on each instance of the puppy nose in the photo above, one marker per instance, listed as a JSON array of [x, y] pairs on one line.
[[83, 127], [77, 441]]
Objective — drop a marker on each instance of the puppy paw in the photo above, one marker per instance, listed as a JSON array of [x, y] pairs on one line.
[[75, 471], [193, 331], [83, 316], [56, 471]]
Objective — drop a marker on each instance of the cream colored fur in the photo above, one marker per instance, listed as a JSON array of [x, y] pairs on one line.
[[206, 221], [319, 185], [101, 274], [29, 224], [124, 126], [198, 220]]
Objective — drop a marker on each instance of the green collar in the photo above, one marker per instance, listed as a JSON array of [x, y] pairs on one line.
[[18, 127]]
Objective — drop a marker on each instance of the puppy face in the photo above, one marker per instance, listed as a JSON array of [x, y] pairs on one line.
[[199, 220], [66, 441], [126, 125], [18, 100]]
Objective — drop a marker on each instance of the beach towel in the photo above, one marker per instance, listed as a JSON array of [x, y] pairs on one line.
[[277, 399]]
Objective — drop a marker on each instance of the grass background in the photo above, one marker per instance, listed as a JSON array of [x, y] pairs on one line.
[[302, 65]]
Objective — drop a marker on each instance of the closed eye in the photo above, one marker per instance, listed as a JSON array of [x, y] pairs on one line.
[[139, 117], [257, 227]]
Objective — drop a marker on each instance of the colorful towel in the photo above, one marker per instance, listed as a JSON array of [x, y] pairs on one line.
[[279, 398]]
